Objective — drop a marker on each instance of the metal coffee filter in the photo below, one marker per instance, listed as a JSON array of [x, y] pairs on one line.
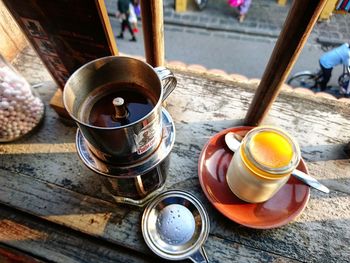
[[133, 184], [175, 226]]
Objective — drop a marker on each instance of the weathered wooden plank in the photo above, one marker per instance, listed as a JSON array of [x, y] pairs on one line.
[[58, 244], [203, 107], [97, 218], [83, 213], [43, 175], [201, 100]]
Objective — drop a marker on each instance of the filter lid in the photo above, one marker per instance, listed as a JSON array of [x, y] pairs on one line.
[[175, 226]]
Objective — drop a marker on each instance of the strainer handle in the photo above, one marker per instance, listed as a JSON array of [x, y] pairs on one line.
[[167, 77], [200, 256]]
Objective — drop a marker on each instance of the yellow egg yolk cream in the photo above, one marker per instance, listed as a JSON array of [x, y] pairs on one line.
[[270, 152], [263, 164]]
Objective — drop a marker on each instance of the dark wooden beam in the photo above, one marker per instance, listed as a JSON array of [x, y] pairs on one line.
[[153, 31], [9, 255], [297, 27]]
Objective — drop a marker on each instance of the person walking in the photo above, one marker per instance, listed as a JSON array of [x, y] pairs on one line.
[[124, 13], [133, 17], [137, 8], [242, 6], [337, 56], [243, 10]]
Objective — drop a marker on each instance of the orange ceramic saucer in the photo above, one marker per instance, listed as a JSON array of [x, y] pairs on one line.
[[282, 208]]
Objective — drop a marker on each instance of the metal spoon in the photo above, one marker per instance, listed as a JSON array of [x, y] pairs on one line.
[[233, 141]]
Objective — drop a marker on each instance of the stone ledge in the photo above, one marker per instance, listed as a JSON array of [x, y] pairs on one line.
[[196, 68]]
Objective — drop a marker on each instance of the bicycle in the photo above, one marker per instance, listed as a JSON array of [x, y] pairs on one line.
[[311, 80]]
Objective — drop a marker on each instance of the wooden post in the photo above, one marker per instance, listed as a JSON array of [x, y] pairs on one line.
[[297, 27], [153, 31]]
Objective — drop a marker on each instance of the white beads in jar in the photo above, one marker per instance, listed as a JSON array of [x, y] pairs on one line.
[[20, 110]]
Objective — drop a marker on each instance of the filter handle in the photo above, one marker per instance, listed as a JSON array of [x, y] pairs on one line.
[[168, 80], [200, 256]]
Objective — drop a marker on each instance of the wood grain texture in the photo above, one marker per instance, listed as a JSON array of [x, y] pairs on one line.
[[102, 10], [10, 255], [42, 175], [12, 40], [58, 244], [301, 18]]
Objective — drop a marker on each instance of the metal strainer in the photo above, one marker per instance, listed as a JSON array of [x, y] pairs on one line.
[[175, 226]]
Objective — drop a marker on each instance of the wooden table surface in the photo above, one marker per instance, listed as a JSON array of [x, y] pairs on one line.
[[55, 209]]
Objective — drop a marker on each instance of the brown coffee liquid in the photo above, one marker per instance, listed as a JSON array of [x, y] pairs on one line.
[[137, 104]]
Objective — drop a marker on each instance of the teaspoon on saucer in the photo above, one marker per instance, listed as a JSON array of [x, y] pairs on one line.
[[233, 141]]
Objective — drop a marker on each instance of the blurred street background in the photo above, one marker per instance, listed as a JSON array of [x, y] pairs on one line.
[[215, 39]]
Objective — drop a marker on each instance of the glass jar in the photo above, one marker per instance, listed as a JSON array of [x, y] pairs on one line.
[[262, 164], [20, 110]]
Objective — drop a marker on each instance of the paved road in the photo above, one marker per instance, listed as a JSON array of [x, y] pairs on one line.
[[213, 37], [232, 52], [265, 18]]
